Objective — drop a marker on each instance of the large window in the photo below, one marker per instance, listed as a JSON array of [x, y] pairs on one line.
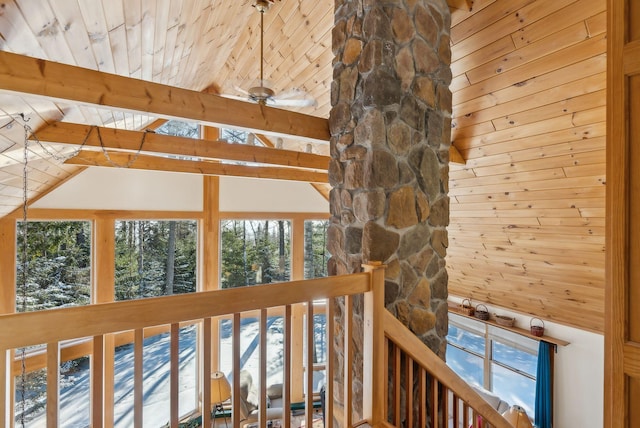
[[315, 248], [155, 258], [57, 262], [254, 252], [179, 129], [259, 252], [493, 358]]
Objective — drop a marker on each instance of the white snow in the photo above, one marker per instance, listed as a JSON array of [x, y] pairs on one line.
[[75, 388]]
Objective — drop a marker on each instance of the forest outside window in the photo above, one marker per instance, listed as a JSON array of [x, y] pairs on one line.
[[254, 252], [57, 258], [58, 262], [155, 258], [316, 255]]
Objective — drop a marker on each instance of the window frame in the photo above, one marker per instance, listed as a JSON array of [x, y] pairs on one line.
[[297, 221], [493, 334]]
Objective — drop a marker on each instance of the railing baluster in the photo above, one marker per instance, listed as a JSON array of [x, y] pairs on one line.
[[348, 360], [53, 384], [235, 418], [455, 412], [409, 385], [138, 376], [297, 359], [329, 371], [434, 401], [109, 379], [97, 382], [286, 375], [445, 405], [175, 374], [387, 344], [6, 408], [262, 382], [309, 363], [206, 349], [397, 358], [465, 415], [423, 397]]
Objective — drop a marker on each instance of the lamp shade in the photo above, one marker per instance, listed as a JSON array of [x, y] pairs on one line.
[[220, 388], [517, 416]]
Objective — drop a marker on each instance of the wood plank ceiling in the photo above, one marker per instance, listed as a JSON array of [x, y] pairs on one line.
[[527, 208]]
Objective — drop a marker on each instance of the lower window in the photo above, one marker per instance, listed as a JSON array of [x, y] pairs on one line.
[[495, 359]]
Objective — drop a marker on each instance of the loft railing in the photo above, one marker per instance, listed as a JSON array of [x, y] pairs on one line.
[[395, 357], [385, 341]]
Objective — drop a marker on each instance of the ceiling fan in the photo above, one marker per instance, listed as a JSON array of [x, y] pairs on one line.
[[260, 92]]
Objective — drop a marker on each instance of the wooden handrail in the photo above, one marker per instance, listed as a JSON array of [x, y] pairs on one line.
[[54, 325], [404, 339], [133, 319]]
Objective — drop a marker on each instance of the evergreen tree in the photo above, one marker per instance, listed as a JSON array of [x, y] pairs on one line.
[[58, 262]]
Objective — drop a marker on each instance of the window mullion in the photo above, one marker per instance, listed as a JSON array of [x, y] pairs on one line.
[[487, 360]]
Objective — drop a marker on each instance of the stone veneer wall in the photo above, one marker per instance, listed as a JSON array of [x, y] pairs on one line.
[[390, 137]]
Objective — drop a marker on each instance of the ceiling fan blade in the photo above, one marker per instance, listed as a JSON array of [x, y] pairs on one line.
[[241, 90], [236, 97], [293, 93], [291, 102]]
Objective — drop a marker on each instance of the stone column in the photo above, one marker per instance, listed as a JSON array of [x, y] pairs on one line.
[[390, 136]]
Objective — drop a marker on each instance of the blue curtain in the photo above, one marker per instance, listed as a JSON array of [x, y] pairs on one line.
[[543, 386]]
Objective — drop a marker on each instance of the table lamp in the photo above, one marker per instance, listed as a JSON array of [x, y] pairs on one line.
[[220, 391], [517, 416]]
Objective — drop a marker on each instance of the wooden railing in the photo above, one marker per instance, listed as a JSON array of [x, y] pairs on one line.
[[441, 398], [395, 357], [101, 322], [385, 341]]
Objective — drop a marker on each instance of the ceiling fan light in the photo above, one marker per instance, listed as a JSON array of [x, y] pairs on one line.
[[261, 92]]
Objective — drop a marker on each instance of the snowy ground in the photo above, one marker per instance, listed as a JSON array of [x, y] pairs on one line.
[[75, 388]]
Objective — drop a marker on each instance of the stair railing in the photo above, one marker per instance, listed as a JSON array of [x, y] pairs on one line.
[[394, 357]]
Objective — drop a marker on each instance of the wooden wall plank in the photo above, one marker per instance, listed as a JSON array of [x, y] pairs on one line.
[[558, 60], [557, 20], [533, 51], [528, 13]]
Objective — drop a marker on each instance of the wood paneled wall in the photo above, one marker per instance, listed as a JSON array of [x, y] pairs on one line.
[[527, 209]]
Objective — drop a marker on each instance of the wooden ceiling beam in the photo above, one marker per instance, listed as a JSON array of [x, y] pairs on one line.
[[118, 139], [157, 163], [324, 189], [455, 156], [58, 81]]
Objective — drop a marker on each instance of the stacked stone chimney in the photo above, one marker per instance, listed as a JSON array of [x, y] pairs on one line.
[[390, 137]]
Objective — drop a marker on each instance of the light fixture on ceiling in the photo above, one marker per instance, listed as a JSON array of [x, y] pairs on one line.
[[261, 92]]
